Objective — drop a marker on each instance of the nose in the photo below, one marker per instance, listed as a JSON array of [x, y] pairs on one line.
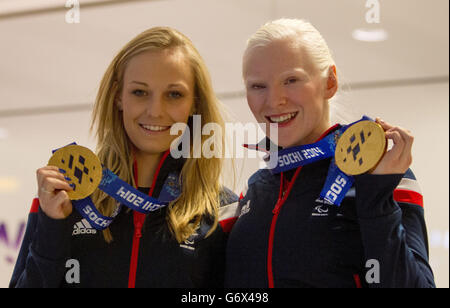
[[276, 96], [154, 108]]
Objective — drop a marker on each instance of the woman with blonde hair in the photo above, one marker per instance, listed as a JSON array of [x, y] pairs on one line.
[[296, 228], [157, 80]]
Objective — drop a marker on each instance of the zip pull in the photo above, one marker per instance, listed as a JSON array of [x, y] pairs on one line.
[[138, 231], [138, 219], [281, 193], [277, 207]]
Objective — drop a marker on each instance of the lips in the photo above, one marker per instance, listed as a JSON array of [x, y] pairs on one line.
[[154, 128], [282, 118]]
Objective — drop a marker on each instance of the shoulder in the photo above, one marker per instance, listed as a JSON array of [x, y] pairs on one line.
[[227, 196], [229, 202], [260, 176]]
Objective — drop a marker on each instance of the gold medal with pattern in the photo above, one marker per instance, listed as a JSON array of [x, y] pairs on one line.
[[360, 148], [82, 166]]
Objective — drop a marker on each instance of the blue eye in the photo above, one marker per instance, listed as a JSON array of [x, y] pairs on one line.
[[291, 80], [175, 94], [258, 86], [139, 93]]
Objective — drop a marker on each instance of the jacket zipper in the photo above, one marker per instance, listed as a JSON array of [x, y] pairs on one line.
[[357, 281], [138, 221], [282, 196]]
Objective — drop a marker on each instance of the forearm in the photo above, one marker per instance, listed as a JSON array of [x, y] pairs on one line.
[[45, 249], [403, 262]]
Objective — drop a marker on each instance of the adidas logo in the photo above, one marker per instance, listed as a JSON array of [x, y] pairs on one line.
[[83, 227]]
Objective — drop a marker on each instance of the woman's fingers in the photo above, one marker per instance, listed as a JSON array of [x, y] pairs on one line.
[[53, 186], [399, 144], [50, 185], [50, 179], [399, 157], [408, 139], [383, 124]]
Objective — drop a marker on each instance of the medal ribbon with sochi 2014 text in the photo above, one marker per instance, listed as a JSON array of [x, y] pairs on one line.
[[118, 189], [338, 182]]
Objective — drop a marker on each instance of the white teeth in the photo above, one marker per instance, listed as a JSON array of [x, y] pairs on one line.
[[282, 118], [155, 128]]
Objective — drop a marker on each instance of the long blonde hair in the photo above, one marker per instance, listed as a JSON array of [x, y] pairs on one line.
[[200, 176]]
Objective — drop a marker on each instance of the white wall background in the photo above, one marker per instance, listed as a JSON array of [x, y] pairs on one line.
[[50, 70]]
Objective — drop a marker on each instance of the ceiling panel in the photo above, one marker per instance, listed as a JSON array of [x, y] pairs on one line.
[[47, 62]]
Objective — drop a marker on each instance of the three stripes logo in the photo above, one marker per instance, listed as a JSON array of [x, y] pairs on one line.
[[83, 227]]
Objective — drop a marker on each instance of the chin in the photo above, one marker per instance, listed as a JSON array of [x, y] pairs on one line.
[[286, 140], [285, 143], [152, 149]]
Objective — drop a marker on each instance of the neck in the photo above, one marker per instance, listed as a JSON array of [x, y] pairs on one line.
[[318, 132], [315, 134], [146, 168]]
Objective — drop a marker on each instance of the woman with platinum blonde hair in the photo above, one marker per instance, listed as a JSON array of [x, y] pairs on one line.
[[156, 80], [306, 223]]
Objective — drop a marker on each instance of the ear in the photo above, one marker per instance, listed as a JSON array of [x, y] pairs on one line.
[[118, 95], [118, 103], [194, 106], [332, 83]]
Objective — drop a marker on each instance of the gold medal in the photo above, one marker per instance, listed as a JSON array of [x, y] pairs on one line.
[[82, 166], [360, 148]]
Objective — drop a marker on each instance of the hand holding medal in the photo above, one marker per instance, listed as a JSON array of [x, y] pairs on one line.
[[73, 173], [83, 174], [83, 169], [357, 148], [398, 159], [53, 189], [360, 148]]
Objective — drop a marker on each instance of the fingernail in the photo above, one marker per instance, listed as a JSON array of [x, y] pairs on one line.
[[67, 178], [62, 171]]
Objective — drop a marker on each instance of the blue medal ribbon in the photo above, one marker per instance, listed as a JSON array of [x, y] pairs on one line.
[[87, 209], [337, 183], [127, 195], [292, 158]]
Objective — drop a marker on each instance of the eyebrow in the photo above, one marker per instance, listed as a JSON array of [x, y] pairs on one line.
[[139, 82], [252, 79], [175, 85], [296, 70], [172, 85]]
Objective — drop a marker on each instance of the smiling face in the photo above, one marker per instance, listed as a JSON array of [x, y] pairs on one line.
[[157, 92], [284, 87]]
